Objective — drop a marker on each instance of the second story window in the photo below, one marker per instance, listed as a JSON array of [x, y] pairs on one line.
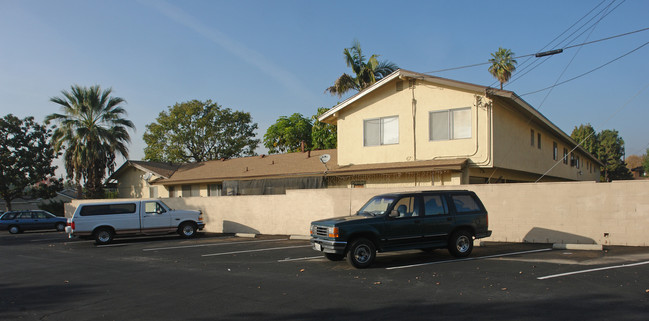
[[555, 150], [450, 124], [381, 131]]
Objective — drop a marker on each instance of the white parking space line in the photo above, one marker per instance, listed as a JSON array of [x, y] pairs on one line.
[[592, 270], [301, 259], [211, 244], [467, 259], [112, 245], [258, 250]]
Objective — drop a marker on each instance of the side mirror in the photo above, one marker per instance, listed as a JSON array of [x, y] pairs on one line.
[[394, 214]]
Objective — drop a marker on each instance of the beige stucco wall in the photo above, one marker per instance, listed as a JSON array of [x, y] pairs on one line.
[[575, 212], [386, 101], [513, 148], [131, 184]]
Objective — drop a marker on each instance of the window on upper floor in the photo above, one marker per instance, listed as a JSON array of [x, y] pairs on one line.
[[450, 124], [381, 131], [532, 137], [555, 150], [538, 140], [565, 156]]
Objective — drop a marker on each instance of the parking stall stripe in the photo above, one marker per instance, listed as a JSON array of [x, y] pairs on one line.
[[592, 270], [258, 250], [468, 259], [301, 259], [211, 244]]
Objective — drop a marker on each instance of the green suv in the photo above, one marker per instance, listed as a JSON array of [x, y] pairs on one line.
[[403, 221]]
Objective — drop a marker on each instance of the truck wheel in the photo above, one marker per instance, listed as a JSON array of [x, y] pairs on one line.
[[187, 230], [14, 229], [461, 244], [361, 253], [334, 257], [60, 227], [103, 236]]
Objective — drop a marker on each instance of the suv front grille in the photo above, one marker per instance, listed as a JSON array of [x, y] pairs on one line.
[[321, 231]]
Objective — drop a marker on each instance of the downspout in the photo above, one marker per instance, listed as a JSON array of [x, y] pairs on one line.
[[413, 82]]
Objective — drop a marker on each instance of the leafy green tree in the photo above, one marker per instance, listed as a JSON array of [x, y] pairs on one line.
[[26, 160], [323, 136], [503, 65], [645, 162], [586, 135], [610, 152], [197, 131], [288, 133], [93, 132], [366, 71]]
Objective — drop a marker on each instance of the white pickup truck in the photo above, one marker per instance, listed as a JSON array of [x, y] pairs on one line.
[[103, 221]]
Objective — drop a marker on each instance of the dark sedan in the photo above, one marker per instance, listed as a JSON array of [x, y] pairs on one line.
[[18, 221]]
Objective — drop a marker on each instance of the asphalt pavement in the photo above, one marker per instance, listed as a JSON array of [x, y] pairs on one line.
[[46, 276]]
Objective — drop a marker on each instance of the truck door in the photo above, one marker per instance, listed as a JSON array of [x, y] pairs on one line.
[[154, 217], [437, 221]]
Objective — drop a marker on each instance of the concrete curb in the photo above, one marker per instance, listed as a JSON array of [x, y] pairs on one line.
[[245, 235], [583, 247], [299, 237]]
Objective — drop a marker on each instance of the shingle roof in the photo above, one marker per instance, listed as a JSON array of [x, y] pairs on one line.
[[293, 165]]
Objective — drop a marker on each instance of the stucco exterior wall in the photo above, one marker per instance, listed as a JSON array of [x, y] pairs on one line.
[[574, 212], [513, 148], [386, 101]]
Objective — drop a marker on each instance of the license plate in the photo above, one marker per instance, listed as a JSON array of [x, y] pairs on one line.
[[317, 246]]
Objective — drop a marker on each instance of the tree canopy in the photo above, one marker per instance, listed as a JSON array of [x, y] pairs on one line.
[[26, 160], [503, 65], [323, 136], [93, 132], [607, 146], [197, 131], [288, 133], [366, 71]]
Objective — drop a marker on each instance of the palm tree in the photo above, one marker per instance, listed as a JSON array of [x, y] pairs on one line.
[[366, 72], [502, 65], [91, 130]]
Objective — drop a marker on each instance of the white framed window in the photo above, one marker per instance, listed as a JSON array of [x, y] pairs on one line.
[[450, 124], [381, 131]]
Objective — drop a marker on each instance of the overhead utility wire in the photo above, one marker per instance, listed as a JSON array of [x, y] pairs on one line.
[[607, 120], [523, 66], [588, 72], [533, 54], [554, 50]]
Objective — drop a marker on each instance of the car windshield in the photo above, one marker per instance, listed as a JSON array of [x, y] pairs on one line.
[[378, 205]]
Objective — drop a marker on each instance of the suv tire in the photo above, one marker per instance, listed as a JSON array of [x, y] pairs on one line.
[[361, 253], [461, 243]]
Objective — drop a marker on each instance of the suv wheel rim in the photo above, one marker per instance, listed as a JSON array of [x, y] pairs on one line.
[[462, 243], [362, 254]]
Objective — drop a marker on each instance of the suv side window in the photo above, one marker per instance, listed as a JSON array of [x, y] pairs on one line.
[[465, 203], [435, 205], [407, 207]]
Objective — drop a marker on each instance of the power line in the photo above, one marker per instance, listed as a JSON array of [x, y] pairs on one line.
[[532, 54], [588, 72]]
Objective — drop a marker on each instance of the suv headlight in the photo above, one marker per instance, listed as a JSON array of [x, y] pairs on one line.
[[332, 232]]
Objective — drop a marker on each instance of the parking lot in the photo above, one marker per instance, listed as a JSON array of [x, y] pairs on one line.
[[46, 276]]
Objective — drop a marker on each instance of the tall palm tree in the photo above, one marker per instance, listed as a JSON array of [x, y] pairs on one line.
[[92, 131], [502, 65], [366, 72]]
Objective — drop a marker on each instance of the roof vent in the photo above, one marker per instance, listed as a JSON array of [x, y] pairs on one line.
[[399, 85]]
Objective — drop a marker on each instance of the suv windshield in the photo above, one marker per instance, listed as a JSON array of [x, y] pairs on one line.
[[378, 205]]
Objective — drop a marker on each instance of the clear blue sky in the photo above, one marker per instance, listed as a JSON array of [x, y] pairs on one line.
[[275, 58]]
